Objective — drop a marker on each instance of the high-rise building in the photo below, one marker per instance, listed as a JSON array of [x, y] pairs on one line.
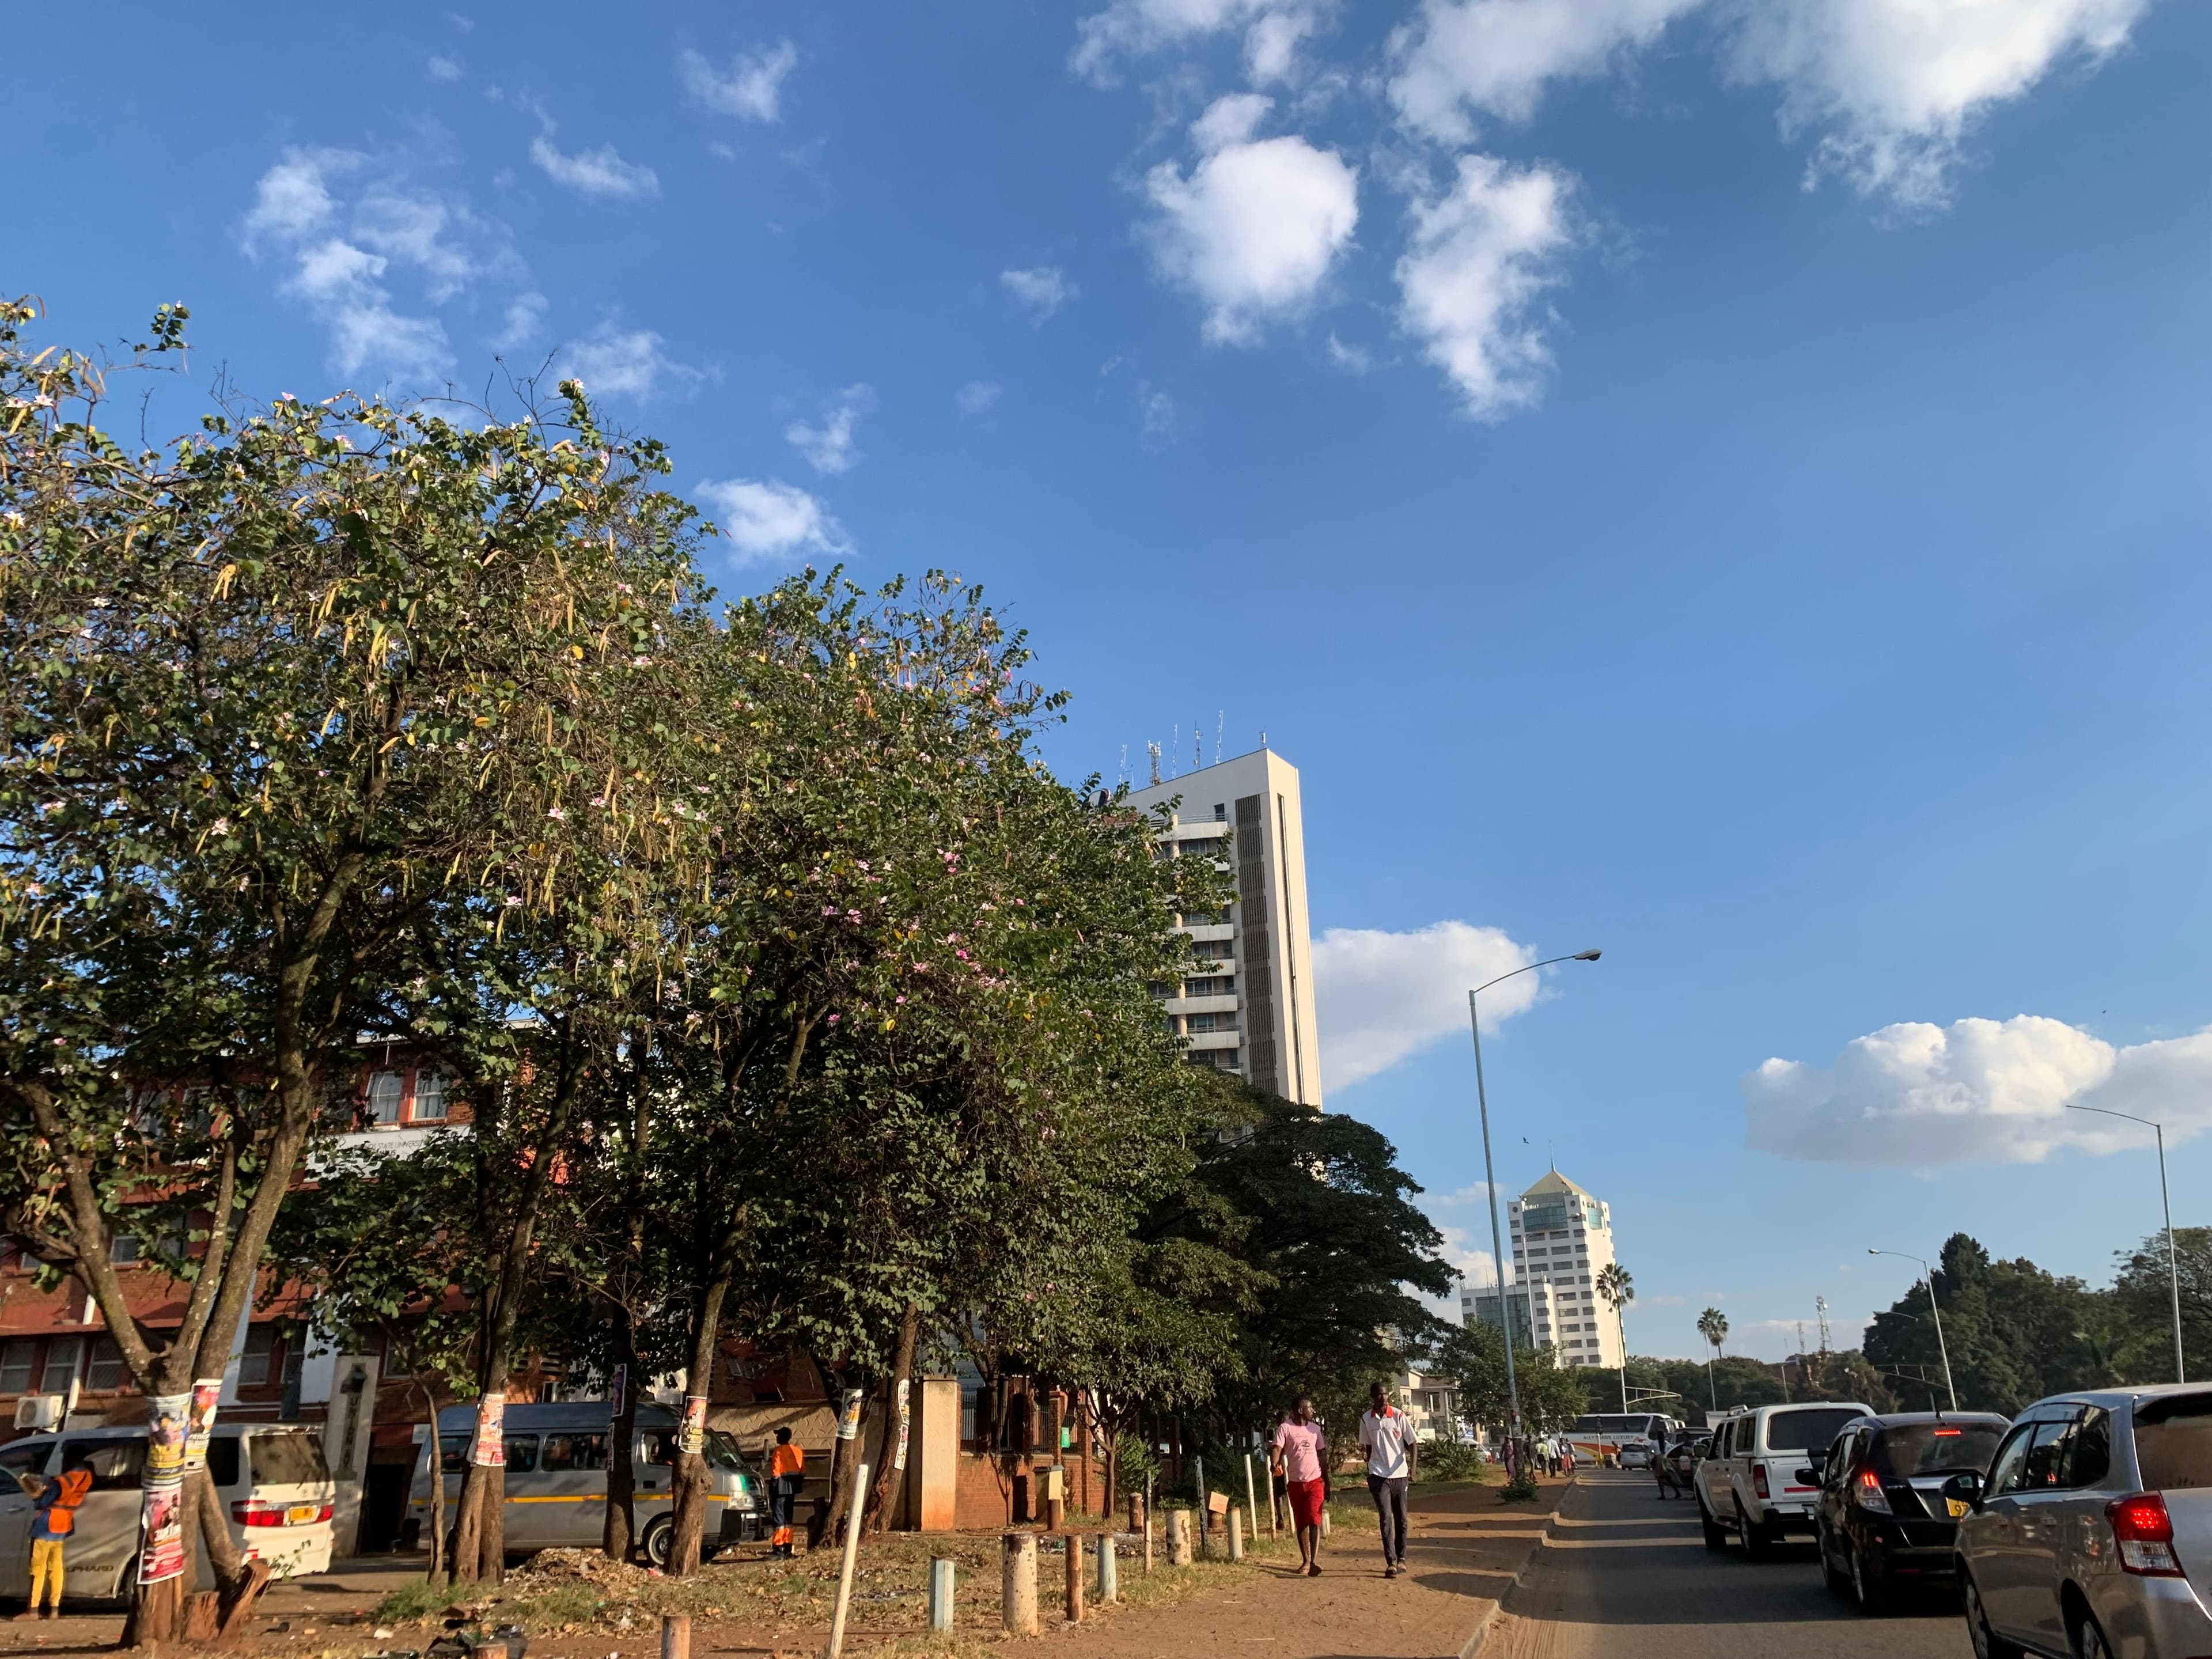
[[1562, 1239], [1248, 1007]]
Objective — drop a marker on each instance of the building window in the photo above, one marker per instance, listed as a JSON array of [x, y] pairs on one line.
[[254, 1364], [1223, 1059], [1217, 985], [385, 1092], [1212, 1021], [62, 1355], [105, 1373], [19, 1359], [430, 1097]]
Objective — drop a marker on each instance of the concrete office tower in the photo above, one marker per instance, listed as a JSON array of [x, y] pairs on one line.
[[1562, 1240], [1251, 1011]]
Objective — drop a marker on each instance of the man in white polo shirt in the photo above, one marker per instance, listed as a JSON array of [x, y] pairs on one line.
[[1388, 1439]]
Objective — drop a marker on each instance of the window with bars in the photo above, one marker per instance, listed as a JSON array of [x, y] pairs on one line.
[[385, 1091], [430, 1097]]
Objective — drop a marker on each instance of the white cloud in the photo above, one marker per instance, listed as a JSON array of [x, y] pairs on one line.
[[1352, 360], [1274, 31], [752, 86], [1477, 258], [1979, 1090], [770, 519], [1384, 997], [1255, 228], [350, 224], [1495, 57], [524, 314], [1157, 425], [596, 173], [977, 396], [1893, 87], [830, 447], [613, 362], [444, 69], [1044, 288]]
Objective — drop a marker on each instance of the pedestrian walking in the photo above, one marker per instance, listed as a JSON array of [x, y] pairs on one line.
[[786, 1473], [1566, 1456], [1388, 1440], [1298, 1459], [54, 1503]]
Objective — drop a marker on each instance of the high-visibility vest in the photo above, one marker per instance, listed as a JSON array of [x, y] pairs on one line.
[[69, 1488]]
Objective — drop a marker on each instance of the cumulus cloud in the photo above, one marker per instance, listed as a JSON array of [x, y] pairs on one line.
[[596, 173], [525, 312], [1461, 58], [769, 518], [1255, 229], [829, 448], [1274, 31], [444, 69], [349, 225], [1894, 86], [1352, 360], [1042, 289], [613, 362], [1384, 997], [1478, 256], [1978, 1091], [977, 396], [751, 88]]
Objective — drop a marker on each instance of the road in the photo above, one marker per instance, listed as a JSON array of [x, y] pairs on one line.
[[1626, 1576]]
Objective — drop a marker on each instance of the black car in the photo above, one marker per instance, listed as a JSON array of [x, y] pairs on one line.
[[1883, 1523]]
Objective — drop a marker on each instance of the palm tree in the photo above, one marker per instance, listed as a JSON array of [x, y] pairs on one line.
[[1617, 1286], [1712, 1325]]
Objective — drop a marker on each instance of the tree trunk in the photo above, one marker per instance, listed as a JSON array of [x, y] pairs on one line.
[[619, 1535], [436, 1575], [691, 1480], [877, 1515]]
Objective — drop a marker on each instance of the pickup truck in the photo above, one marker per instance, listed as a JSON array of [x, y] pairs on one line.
[[1748, 1484]]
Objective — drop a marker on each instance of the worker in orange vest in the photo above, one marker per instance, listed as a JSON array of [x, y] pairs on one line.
[[53, 1519], [786, 1472]]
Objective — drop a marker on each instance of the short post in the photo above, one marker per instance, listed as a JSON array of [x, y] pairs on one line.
[[675, 1636], [1019, 1613], [1235, 1533], [1251, 1503], [1200, 1459], [1075, 1578], [845, 1570], [1178, 1538], [1110, 1570], [1140, 1521], [940, 1593]]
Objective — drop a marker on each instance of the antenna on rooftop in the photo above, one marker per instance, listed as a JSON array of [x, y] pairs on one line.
[[1820, 1307], [1220, 725], [1122, 774], [1154, 750], [1175, 742], [1197, 748]]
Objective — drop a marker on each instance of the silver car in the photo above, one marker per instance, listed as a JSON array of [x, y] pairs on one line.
[[2091, 1535]]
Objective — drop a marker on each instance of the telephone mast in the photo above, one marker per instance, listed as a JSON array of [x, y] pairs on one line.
[[1827, 1343]]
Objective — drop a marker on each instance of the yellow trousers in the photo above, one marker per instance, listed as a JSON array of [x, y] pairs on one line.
[[47, 1570]]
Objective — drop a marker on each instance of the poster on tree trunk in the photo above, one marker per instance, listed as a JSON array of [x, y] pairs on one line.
[[693, 1438], [199, 1425], [490, 1449], [160, 1520], [906, 1418], [617, 1391], [848, 1420]]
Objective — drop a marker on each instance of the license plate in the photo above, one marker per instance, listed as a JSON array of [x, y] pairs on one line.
[[300, 1514], [1958, 1506]]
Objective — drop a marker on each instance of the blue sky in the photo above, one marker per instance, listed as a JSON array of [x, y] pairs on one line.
[[1724, 482]]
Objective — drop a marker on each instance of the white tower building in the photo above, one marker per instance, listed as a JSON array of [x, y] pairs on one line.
[[1562, 1239]]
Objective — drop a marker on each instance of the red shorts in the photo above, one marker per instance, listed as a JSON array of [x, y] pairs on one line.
[[1306, 1498]]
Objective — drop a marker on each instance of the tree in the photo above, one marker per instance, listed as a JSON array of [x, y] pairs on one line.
[[1616, 1288], [2014, 1333], [1474, 1355], [1713, 1326], [2141, 1307]]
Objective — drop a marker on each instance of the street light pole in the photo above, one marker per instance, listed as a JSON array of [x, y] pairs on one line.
[[1928, 1274], [2172, 1260], [1489, 1188]]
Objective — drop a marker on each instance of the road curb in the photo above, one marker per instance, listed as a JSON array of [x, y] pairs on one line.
[[1488, 1617]]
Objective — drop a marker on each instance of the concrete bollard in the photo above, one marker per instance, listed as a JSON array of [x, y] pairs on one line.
[[1235, 1533], [1110, 1570], [940, 1593], [1075, 1578], [1178, 1525], [1020, 1607], [675, 1636]]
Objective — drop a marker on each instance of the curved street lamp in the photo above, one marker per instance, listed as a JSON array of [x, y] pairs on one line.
[[1928, 1274], [1490, 1184], [2172, 1263]]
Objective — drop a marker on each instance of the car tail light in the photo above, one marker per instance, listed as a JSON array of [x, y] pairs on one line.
[[1948, 1434], [1758, 1479], [1871, 1498], [253, 1512], [2145, 1534]]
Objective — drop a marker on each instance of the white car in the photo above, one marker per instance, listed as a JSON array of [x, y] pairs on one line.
[[270, 1477], [1748, 1483]]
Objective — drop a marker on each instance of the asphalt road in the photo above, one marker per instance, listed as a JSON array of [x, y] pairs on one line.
[[1626, 1576]]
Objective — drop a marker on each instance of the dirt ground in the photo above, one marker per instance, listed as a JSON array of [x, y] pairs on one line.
[[1463, 1549]]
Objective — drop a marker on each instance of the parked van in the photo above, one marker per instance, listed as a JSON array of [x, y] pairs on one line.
[[557, 1479], [1754, 1481], [270, 1477]]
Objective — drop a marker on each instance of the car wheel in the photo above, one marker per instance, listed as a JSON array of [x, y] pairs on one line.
[[1715, 1535], [2089, 1641], [1757, 1542], [659, 1541], [1988, 1645], [1838, 1582], [1867, 1591]]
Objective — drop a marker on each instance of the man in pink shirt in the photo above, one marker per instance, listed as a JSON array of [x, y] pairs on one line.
[[1297, 1459]]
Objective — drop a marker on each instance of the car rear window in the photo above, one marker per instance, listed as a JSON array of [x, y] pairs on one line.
[[116, 1465], [1936, 1448], [2173, 1442], [1809, 1429], [223, 1460], [287, 1460]]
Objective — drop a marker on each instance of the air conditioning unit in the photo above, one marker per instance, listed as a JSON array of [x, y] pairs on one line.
[[39, 1410]]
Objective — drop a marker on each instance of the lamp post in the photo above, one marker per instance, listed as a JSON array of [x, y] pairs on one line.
[[1490, 1185], [2173, 1262], [1928, 1274]]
